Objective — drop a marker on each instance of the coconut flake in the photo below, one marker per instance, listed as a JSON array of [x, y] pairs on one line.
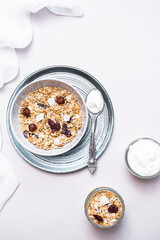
[[66, 118], [39, 117], [104, 200], [52, 101]]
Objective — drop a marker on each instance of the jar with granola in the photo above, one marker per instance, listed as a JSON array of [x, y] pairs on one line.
[[104, 207]]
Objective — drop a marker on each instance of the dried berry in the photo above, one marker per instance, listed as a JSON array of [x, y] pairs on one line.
[[65, 131], [26, 112], [60, 100], [98, 218], [41, 105], [64, 128], [68, 133], [51, 123], [56, 127], [26, 134], [113, 208], [32, 127], [70, 120]]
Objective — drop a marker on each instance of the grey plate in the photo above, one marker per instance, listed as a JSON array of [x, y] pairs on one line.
[[76, 158]]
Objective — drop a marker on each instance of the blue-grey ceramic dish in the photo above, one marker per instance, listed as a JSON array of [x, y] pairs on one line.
[[76, 158]]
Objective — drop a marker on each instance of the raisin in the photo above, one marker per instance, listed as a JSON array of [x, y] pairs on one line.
[[56, 128], [65, 131], [26, 112], [32, 127], [60, 100], [26, 134], [68, 133], [98, 218], [41, 105], [51, 123], [64, 128], [113, 208]]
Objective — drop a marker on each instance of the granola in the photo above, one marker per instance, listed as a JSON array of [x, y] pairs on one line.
[[104, 208], [50, 117]]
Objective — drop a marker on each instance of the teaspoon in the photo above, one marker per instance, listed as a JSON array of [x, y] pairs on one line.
[[95, 105]]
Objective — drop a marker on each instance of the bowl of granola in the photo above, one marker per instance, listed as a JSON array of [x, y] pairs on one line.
[[48, 117], [104, 207]]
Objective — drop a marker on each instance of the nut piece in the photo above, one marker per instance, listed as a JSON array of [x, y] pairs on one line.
[[32, 127], [26, 112], [60, 100]]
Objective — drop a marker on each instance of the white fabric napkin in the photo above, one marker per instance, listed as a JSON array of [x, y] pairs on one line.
[[16, 29], [9, 180]]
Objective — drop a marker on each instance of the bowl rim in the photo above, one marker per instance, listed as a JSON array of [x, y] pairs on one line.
[[87, 201], [48, 152], [129, 167]]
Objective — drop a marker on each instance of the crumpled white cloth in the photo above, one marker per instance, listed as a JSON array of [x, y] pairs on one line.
[[9, 180], [16, 30]]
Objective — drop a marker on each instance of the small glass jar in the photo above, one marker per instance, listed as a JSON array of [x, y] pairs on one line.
[[107, 189]]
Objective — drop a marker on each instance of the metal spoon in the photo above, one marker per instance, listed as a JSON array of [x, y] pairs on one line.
[[95, 105]]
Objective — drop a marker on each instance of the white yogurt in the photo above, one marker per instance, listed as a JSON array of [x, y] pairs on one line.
[[95, 101], [144, 157]]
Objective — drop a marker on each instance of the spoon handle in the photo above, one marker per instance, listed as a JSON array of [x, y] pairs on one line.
[[92, 162]]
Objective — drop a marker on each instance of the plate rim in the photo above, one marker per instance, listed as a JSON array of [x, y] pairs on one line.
[[73, 70]]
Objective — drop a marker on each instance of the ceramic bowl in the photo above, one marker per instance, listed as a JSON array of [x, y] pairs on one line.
[[15, 116], [86, 207]]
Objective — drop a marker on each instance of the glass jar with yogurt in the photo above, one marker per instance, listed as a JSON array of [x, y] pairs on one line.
[[143, 158]]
